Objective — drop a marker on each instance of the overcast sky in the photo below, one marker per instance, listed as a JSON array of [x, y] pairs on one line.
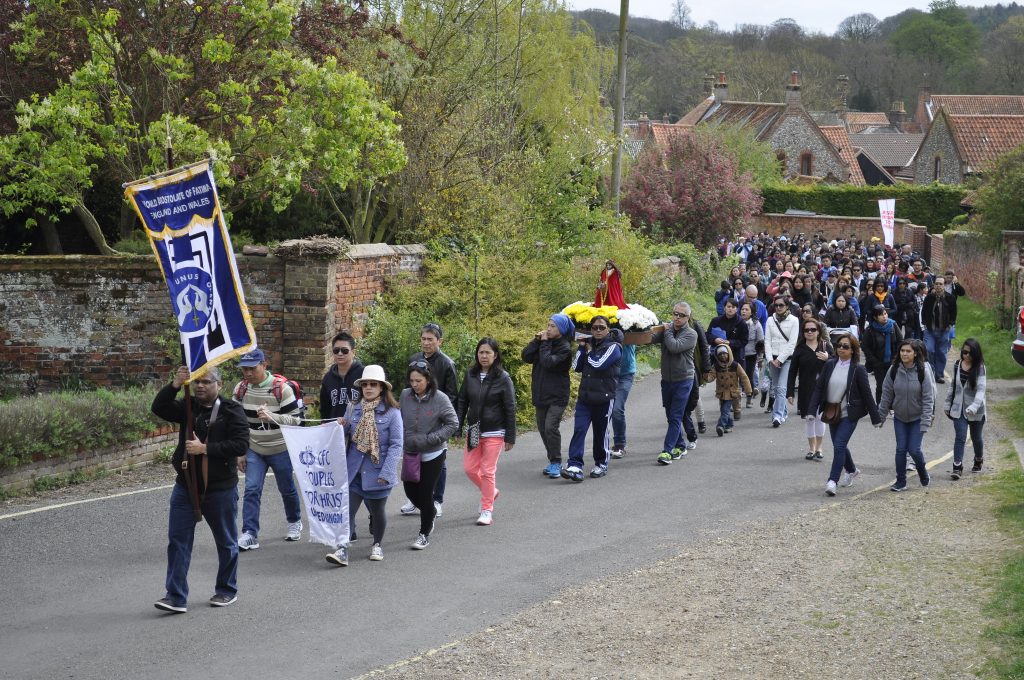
[[813, 15]]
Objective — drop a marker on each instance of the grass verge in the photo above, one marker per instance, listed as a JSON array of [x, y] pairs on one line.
[[975, 321], [1007, 607]]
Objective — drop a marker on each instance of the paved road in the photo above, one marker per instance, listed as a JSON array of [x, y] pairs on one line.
[[78, 582]]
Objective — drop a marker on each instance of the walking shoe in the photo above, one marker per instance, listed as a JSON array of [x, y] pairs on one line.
[[220, 600], [749, 399], [776, 422], [848, 477], [421, 542], [553, 470], [771, 405], [618, 451], [294, 531], [408, 509], [957, 473], [911, 466], [720, 431], [247, 541], [702, 427], [830, 488], [438, 508], [940, 380], [737, 415], [764, 398], [690, 446], [572, 473], [678, 453], [977, 465], [925, 478], [728, 430], [339, 557], [376, 553], [898, 487], [599, 471], [818, 455], [165, 604], [665, 458], [810, 455], [485, 519]]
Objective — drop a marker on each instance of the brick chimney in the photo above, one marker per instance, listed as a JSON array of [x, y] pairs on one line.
[[721, 88], [842, 94], [643, 126], [924, 95], [793, 89], [709, 82], [897, 115]]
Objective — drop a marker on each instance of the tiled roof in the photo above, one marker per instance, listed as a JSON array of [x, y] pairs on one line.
[[856, 121], [664, 132], [696, 113], [890, 150], [758, 116], [836, 134], [977, 104], [981, 139]]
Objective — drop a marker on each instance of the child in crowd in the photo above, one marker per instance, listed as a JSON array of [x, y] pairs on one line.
[[728, 376]]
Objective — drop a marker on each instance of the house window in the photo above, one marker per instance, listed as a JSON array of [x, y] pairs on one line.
[[807, 163], [938, 169], [780, 159]]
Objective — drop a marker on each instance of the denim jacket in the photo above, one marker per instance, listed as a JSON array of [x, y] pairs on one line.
[[390, 430]]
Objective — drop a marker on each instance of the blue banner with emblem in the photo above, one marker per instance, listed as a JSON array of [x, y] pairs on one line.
[[183, 220]]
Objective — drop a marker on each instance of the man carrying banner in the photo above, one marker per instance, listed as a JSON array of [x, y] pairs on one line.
[[219, 437], [269, 401]]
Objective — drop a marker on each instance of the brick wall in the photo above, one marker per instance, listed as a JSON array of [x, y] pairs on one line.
[[107, 320], [1011, 279]]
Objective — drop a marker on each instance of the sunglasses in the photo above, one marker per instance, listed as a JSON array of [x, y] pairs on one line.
[[780, 306], [369, 383], [418, 364], [810, 330], [680, 315], [844, 346], [599, 328], [964, 352], [341, 350]]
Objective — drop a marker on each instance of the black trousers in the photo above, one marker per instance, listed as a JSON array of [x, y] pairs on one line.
[[421, 493]]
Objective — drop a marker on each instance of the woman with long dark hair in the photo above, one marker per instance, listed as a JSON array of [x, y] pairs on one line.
[[843, 387], [965, 405], [811, 353], [429, 420], [487, 414], [908, 388]]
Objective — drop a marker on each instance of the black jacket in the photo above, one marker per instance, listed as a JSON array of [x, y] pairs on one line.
[[736, 332], [804, 368], [336, 393], [226, 438], [860, 399], [600, 369], [551, 361], [497, 411], [872, 345], [442, 368], [928, 309]]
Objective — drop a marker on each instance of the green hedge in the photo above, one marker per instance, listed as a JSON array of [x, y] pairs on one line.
[[59, 424], [933, 205]]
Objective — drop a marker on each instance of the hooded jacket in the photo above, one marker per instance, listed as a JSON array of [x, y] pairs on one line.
[[551, 359], [336, 392], [727, 375], [909, 397], [600, 369]]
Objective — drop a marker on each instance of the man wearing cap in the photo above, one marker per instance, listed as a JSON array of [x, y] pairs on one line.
[[442, 368], [268, 402], [551, 356], [219, 436]]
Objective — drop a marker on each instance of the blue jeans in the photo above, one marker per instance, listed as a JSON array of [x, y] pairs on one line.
[[908, 440], [587, 415], [255, 474], [725, 413], [674, 396], [842, 459], [779, 377], [937, 344], [220, 509], [619, 409], [960, 426]]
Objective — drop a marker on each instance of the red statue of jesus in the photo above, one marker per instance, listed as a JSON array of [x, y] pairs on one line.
[[609, 290]]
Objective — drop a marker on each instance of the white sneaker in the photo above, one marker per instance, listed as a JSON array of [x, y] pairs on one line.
[[485, 518], [408, 509], [690, 446], [617, 453], [421, 542], [439, 508], [848, 477], [376, 553], [830, 488], [247, 541], [339, 557], [294, 531]]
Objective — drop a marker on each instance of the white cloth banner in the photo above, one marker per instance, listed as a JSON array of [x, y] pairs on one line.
[[887, 210], [318, 458]]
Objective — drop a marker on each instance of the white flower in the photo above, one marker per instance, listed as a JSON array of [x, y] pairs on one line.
[[636, 318]]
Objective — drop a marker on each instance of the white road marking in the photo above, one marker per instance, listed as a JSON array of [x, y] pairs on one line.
[[87, 500]]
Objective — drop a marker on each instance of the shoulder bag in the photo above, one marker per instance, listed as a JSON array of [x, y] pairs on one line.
[[832, 413]]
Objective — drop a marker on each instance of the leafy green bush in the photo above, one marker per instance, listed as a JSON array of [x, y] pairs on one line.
[[932, 205], [59, 424]]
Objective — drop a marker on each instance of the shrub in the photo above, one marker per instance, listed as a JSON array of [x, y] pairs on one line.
[[62, 423]]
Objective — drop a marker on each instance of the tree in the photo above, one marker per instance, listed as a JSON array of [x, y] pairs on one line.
[[859, 28], [225, 80], [680, 16], [692, 190], [944, 36], [999, 202], [1005, 51]]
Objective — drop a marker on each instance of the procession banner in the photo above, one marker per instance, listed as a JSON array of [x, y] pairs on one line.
[[887, 210], [181, 212], [318, 458]]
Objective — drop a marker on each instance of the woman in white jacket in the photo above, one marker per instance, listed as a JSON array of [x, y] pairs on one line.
[[965, 405], [780, 336]]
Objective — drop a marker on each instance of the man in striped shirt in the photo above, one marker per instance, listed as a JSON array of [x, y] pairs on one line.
[[268, 401]]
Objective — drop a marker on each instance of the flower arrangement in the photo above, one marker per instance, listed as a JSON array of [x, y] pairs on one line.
[[635, 318]]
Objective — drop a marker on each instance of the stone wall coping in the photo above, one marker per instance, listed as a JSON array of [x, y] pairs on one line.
[[365, 250], [411, 249], [840, 218]]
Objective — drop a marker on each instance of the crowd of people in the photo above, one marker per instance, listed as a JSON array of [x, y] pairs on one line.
[[803, 322]]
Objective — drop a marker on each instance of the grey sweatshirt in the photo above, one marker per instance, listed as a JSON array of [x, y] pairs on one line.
[[908, 397], [676, 352]]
